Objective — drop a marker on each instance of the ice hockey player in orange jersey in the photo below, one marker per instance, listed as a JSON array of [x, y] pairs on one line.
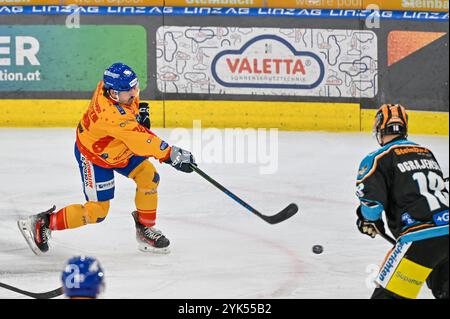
[[113, 136]]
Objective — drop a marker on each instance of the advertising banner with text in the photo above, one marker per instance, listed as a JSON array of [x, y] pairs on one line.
[[48, 58], [266, 61], [407, 5]]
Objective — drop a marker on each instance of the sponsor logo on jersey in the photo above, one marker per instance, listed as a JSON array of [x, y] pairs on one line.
[[105, 185], [405, 277], [409, 150], [407, 219], [392, 262], [87, 173], [441, 219]]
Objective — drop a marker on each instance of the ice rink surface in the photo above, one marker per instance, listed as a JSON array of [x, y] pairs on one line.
[[219, 250]]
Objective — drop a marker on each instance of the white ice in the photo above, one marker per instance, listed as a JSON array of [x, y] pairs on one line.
[[219, 250]]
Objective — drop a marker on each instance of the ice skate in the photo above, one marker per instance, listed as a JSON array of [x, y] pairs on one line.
[[36, 231], [150, 239]]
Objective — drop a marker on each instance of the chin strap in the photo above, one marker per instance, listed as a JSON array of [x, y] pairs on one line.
[[112, 97]]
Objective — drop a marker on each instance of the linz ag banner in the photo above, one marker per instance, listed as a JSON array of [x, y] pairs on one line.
[[267, 61], [408, 5]]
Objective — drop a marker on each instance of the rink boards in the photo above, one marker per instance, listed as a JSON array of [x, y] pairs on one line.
[[292, 69], [290, 116]]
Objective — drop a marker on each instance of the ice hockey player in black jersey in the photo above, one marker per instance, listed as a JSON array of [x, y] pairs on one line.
[[404, 180]]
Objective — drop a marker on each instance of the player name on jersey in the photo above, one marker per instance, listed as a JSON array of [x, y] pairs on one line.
[[417, 165]]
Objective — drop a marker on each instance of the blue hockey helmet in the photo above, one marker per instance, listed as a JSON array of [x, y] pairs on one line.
[[120, 77], [83, 277]]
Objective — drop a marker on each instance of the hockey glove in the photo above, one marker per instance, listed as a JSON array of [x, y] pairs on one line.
[[144, 115], [181, 159], [369, 228]]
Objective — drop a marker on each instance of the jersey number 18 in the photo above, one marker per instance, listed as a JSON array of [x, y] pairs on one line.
[[432, 188]]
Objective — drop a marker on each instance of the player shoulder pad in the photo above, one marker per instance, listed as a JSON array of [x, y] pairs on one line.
[[369, 163]]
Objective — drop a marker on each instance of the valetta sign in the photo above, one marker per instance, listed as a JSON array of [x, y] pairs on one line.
[[270, 62], [268, 66], [267, 61]]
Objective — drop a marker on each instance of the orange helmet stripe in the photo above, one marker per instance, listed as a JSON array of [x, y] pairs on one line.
[[385, 110]]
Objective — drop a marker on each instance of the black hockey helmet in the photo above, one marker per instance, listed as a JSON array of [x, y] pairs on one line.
[[391, 119]]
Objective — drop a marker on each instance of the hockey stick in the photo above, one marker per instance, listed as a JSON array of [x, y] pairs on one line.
[[388, 238], [44, 295], [286, 213], [384, 235]]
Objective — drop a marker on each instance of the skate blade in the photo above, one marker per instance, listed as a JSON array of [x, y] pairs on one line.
[[25, 229], [154, 250]]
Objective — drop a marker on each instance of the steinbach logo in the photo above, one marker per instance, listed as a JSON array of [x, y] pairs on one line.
[[425, 4], [271, 62]]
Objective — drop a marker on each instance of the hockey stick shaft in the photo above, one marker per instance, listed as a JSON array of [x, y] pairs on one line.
[[225, 190], [286, 213], [44, 295], [383, 234], [388, 238]]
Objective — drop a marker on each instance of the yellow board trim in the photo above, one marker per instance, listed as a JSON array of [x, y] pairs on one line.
[[420, 122], [54, 113], [288, 116], [282, 115]]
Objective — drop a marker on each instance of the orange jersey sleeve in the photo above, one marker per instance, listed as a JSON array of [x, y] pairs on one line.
[[109, 133]]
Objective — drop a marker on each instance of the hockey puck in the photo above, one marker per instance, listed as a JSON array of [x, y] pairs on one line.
[[317, 249]]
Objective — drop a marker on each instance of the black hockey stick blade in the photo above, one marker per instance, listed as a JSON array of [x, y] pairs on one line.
[[286, 213], [44, 295]]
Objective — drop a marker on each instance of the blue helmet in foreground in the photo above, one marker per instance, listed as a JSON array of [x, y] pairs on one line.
[[120, 77], [83, 277]]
